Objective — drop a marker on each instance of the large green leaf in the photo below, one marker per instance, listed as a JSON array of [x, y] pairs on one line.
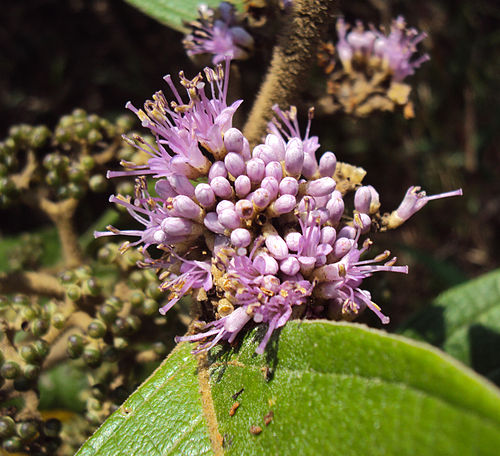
[[174, 12], [322, 388], [465, 322]]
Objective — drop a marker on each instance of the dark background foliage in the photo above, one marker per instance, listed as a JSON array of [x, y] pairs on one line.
[[97, 54]]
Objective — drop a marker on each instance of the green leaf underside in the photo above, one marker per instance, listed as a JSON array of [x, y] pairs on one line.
[[465, 322], [173, 13], [333, 388], [162, 417]]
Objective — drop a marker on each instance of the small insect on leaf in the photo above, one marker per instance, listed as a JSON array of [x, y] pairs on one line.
[[233, 408], [255, 430], [268, 417]]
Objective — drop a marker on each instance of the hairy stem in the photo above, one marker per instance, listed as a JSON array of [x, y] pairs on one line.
[[292, 58]]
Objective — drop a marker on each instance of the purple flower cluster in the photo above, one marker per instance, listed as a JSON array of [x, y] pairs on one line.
[[395, 50], [217, 32], [256, 234]]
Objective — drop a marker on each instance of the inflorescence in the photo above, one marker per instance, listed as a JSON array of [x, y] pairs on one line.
[[258, 234], [218, 32]]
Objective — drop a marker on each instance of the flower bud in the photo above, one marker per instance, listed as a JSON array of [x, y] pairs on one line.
[[223, 205], [205, 195], [283, 205], [289, 186], [218, 168], [362, 200], [264, 152], [310, 166], [348, 232], [277, 145], [327, 164], [255, 170], [244, 208], [241, 237], [342, 247], [271, 185], [274, 169], [181, 184], [294, 157], [242, 185], [221, 187], [321, 187], [261, 198], [211, 221], [266, 264], [177, 226], [233, 140], [234, 164], [229, 218], [328, 235], [277, 246], [290, 266], [186, 207], [335, 208], [292, 240]]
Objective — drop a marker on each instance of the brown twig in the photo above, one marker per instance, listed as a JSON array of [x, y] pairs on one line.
[[37, 283], [292, 58], [61, 213]]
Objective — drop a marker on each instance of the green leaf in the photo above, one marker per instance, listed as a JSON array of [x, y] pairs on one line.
[[163, 416], [465, 322], [174, 12], [322, 387]]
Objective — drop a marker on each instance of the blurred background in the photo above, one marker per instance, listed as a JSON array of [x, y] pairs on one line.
[[98, 54]]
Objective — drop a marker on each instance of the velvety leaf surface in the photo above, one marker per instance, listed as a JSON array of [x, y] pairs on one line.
[[174, 12], [162, 417], [321, 387], [465, 322]]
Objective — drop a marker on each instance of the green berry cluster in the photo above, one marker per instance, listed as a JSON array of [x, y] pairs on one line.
[[71, 156]]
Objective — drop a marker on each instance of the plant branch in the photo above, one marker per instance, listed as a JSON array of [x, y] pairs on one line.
[[37, 283], [292, 59]]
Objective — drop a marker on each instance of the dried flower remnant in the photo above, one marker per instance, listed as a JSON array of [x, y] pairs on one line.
[[219, 33], [374, 64], [266, 236]]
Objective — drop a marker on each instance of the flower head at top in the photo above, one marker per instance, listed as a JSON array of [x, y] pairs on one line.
[[217, 32], [395, 50], [265, 236]]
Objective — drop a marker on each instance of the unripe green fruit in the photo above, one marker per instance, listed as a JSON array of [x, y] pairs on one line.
[[75, 346], [31, 372], [107, 313], [40, 327], [7, 426], [87, 163], [121, 327], [12, 444], [74, 292], [78, 114], [116, 302], [137, 298], [98, 183], [92, 286], [91, 356], [137, 279], [58, 320], [26, 430], [150, 307], [29, 313], [42, 348], [21, 300], [10, 370], [96, 329], [108, 253], [28, 353], [134, 323], [94, 136], [153, 291], [75, 190]]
